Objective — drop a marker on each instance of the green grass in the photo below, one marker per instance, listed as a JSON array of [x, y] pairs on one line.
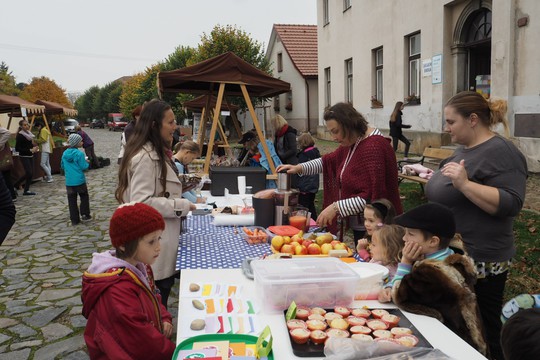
[[524, 276]]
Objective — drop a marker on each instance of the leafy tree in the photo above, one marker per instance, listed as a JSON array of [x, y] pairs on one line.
[[8, 85], [129, 98], [112, 101], [85, 102], [43, 88], [230, 38]]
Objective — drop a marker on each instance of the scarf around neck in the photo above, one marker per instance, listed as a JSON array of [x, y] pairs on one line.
[[27, 134]]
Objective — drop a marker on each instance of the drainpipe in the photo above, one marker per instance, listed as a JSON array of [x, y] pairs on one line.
[[307, 102]]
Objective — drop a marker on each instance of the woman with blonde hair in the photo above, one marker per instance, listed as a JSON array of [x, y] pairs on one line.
[[147, 174], [184, 154], [483, 183], [285, 140]]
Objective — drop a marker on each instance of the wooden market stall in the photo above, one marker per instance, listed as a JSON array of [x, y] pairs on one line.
[[52, 108], [206, 105], [224, 74], [17, 107]]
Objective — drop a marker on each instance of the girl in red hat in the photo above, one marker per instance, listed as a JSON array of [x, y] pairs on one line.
[[126, 319]]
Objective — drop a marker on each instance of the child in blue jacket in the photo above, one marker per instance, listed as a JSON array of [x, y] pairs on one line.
[[74, 164]]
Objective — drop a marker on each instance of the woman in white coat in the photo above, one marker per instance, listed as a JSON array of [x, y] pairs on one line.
[[147, 174]]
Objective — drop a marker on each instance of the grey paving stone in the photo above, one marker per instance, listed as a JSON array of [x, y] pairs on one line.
[[63, 347], [4, 338], [48, 276], [25, 344], [57, 294], [13, 272], [22, 330], [16, 355], [43, 317], [76, 300], [15, 261], [55, 331], [20, 310], [21, 285], [78, 321], [77, 355], [40, 270], [5, 322], [39, 234]]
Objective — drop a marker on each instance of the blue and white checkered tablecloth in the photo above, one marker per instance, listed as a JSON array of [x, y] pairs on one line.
[[205, 246]]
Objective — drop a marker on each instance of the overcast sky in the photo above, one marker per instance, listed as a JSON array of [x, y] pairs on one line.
[[80, 43]]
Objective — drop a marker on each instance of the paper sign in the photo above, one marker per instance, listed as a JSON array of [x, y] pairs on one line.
[[436, 69]]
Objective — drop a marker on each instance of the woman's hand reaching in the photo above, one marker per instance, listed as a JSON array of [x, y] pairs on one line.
[[326, 216], [291, 169]]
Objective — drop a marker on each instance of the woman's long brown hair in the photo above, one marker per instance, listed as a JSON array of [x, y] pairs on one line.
[[146, 130], [397, 109]]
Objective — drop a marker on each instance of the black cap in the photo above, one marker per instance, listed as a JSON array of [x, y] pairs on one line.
[[432, 217], [246, 137]]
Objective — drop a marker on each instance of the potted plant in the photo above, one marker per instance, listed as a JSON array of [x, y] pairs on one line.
[[375, 104], [288, 107], [412, 100]]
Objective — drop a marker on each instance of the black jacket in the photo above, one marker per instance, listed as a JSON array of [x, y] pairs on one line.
[[23, 146], [397, 126], [286, 147], [308, 183]]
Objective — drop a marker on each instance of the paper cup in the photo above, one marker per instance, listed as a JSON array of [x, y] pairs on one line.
[[242, 185]]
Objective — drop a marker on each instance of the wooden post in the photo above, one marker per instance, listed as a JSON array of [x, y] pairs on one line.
[[214, 127], [235, 120], [258, 129], [200, 135]]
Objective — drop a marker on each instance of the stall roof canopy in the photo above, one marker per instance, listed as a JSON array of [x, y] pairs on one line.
[[13, 104], [225, 68], [200, 102], [52, 108]]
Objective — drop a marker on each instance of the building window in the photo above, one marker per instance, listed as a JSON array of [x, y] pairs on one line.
[[276, 104], [279, 62], [377, 99], [328, 93], [414, 67], [346, 5], [349, 81], [326, 17]]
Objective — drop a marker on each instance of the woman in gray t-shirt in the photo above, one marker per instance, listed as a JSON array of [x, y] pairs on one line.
[[483, 183]]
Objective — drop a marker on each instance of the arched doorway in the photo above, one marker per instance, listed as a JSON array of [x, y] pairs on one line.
[[472, 48], [478, 45]]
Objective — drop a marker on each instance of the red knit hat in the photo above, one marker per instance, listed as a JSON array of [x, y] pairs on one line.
[[132, 221]]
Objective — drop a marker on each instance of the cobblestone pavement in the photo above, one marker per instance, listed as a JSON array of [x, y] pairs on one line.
[[43, 258]]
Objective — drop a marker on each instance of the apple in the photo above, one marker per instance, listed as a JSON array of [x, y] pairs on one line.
[[277, 242], [334, 242], [325, 248], [297, 238], [294, 244], [300, 250], [287, 239], [306, 243], [314, 249], [287, 249], [340, 246]]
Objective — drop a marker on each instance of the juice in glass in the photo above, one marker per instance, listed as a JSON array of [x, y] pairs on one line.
[[299, 221]]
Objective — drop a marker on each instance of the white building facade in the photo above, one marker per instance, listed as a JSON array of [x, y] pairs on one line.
[[374, 53]]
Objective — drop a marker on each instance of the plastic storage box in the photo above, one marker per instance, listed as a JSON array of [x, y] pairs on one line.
[[324, 282], [370, 281]]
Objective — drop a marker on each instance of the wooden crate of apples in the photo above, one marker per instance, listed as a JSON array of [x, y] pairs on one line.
[[321, 244]]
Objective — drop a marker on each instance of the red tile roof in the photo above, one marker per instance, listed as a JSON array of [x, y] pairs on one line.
[[300, 41]]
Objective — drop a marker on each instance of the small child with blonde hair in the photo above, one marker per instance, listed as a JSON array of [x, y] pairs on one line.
[[385, 248], [376, 214]]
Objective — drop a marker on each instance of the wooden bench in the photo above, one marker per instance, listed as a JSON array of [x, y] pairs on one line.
[[431, 158]]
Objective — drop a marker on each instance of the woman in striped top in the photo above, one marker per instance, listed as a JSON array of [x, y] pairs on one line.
[[362, 169]]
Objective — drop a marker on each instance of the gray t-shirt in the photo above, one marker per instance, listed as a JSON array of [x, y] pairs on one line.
[[497, 163]]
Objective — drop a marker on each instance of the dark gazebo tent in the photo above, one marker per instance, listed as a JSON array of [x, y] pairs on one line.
[[234, 76], [15, 106], [52, 108], [200, 103]]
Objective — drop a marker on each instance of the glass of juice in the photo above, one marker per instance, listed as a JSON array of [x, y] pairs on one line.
[[299, 219]]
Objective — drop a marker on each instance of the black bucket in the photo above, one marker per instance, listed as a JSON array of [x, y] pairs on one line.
[[264, 212]]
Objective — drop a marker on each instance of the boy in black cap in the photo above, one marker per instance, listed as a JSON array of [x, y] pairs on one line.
[[429, 228]]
